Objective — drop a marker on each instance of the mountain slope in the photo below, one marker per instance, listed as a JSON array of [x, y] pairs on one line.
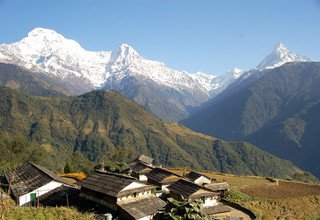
[[98, 122], [38, 84], [276, 109]]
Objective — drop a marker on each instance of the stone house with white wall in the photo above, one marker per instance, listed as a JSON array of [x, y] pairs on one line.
[[129, 197], [29, 181]]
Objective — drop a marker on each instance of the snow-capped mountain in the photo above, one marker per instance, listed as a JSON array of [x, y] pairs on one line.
[[279, 56], [168, 93], [50, 53], [218, 84]]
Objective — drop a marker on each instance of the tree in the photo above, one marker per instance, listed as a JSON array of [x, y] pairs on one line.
[[185, 209]]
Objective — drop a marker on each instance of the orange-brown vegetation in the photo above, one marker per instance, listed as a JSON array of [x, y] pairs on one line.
[[76, 176]]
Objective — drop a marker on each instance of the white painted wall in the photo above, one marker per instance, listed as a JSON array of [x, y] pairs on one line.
[[143, 177], [40, 191], [202, 180], [210, 202], [133, 185], [149, 217]]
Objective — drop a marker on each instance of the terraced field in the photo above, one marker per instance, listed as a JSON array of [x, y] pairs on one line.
[[269, 200]]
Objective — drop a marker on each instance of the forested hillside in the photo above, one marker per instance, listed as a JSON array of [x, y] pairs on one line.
[[99, 123]]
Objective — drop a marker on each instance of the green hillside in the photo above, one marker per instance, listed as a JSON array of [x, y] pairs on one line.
[[95, 124], [277, 110]]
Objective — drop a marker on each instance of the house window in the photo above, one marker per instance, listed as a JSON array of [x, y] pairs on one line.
[[33, 196]]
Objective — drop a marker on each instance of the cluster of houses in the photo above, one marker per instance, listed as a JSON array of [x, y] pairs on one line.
[[139, 192]]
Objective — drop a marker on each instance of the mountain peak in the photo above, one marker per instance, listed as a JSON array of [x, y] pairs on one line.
[[42, 31], [279, 56], [281, 48], [124, 52]]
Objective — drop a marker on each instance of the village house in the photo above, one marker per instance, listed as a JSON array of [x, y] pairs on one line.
[[198, 178], [143, 159], [162, 178], [184, 189], [130, 198], [27, 183], [221, 188], [140, 170]]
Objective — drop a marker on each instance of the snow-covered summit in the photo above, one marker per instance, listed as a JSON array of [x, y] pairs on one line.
[[279, 56], [48, 51]]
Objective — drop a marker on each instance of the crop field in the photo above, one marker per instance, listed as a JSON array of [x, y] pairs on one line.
[[268, 200], [282, 190]]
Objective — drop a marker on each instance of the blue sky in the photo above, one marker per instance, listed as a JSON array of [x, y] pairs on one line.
[[208, 35]]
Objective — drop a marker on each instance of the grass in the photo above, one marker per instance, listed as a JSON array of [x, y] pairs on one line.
[[11, 212]]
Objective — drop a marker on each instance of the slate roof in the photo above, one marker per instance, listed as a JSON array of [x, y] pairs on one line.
[[189, 190], [211, 210], [161, 175], [144, 159], [112, 184], [139, 208], [140, 168], [195, 175], [28, 177], [217, 186]]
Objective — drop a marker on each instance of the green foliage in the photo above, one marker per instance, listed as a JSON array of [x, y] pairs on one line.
[[184, 210], [16, 150], [68, 168], [104, 126], [237, 196], [305, 177]]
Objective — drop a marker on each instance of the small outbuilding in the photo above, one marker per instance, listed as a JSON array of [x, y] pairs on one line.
[[143, 159], [218, 187], [140, 170], [198, 178], [162, 178]]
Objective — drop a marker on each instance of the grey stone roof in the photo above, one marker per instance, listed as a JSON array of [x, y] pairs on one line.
[[139, 208], [195, 175], [112, 184], [220, 208], [162, 176], [28, 177], [217, 186], [144, 159], [189, 190]]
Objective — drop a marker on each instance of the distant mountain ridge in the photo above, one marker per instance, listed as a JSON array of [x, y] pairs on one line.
[[98, 122], [168, 93], [276, 109]]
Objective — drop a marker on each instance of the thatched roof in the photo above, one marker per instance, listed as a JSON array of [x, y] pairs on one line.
[[139, 208], [29, 177], [217, 186], [112, 184], [211, 210], [189, 190], [162, 176], [193, 176]]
